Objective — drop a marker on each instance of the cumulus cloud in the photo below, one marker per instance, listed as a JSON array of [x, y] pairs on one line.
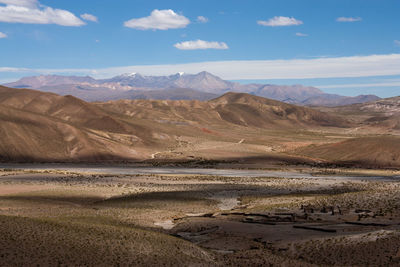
[[3, 35], [202, 19], [30, 11], [89, 17], [200, 44], [348, 19], [280, 21], [159, 20], [300, 34]]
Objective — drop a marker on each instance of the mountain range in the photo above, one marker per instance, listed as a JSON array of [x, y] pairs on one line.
[[201, 86], [38, 126]]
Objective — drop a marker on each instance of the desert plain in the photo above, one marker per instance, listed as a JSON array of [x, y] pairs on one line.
[[92, 216]]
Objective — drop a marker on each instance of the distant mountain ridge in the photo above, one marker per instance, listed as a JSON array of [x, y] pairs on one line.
[[201, 86], [338, 100]]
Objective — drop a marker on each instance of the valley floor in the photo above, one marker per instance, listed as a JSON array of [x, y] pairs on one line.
[[298, 217]]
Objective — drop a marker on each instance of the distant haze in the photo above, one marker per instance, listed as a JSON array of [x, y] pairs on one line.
[[201, 86]]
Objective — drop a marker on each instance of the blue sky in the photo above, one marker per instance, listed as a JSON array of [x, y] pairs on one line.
[[329, 44]]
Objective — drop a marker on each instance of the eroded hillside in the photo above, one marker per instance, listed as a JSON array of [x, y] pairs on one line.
[[38, 126]]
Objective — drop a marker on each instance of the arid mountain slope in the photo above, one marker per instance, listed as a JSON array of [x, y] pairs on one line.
[[48, 127], [289, 94], [67, 108], [231, 108], [44, 126], [385, 113], [389, 106], [256, 111], [367, 151], [38, 126], [169, 94], [92, 94], [382, 115]]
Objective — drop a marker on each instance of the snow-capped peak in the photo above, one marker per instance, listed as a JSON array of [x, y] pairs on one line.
[[181, 73], [132, 74]]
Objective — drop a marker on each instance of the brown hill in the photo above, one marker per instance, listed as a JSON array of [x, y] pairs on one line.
[[366, 151], [44, 126], [385, 113], [231, 108], [381, 116], [48, 127], [249, 110], [66, 108]]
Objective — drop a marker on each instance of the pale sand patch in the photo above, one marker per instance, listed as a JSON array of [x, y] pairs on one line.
[[17, 189], [167, 225], [227, 199], [371, 236]]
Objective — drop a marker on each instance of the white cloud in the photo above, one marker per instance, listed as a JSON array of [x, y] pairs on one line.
[[300, 34], [346, 67], [280, 21], [159, 20], [3, 35], [89, 17], [30, 11], [202, 19], [397, 42], [334, 67], [26, 3], [360, 85], [348, 19], [200, 44], [11, 69]]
